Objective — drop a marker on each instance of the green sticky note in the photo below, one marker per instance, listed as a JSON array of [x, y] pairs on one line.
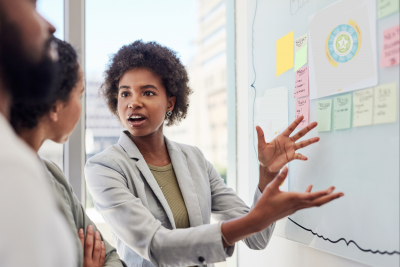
[[324, 115], [342, 112], [301, 58], [387, 7]]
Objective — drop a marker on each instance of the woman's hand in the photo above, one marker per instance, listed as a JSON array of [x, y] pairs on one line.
[[282, 150], [275, 204], [272, 206], [94, 250]]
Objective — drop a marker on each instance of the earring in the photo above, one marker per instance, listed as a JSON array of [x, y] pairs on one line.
[[169, 113]]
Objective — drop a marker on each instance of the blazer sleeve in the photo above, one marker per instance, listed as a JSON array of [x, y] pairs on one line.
[[137, 228], [83, 221], [227, 205]]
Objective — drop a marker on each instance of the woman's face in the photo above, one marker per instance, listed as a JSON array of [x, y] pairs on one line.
[[143, 102], [65, 115]]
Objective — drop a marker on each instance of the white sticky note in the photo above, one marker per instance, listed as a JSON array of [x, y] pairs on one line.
[[363, 106], [272, 115], [385, 103]]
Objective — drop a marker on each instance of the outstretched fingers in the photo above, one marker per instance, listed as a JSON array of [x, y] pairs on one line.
[[325, 199], [260, 135], [309, 188], [299, 156], [315, 195], [278, 180], [304, 131], [306, 143], [289, 130]]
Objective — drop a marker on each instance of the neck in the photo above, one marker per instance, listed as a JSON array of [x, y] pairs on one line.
[[5, 100], [33, 137], [153, 148]]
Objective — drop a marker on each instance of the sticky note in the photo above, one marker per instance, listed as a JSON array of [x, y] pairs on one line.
[[284, 53], [391, 47], [342, 112], [300, 42], [387, 7], [363, 107], [300, 49], [324, 115], [301, 58], [301, 83], [385, 103], [302, 108]]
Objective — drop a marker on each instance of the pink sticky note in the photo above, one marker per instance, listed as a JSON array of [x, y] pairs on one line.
[[391, 46], [302, 108], [301, 83]]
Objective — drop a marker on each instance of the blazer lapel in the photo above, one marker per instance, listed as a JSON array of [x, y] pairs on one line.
[[185, 182], [133, 152]]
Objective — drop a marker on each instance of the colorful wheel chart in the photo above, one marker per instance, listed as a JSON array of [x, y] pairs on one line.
[[343, 43]]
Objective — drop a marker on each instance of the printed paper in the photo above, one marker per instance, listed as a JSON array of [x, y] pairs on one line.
[[363, 106], [301, 83], [385, 103], [387, 7], [391, 47], [342, 112], [302, 108], [284, 53], [342, 46], [324, 115]]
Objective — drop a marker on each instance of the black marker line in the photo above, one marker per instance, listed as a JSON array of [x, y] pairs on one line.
[[347, 242]]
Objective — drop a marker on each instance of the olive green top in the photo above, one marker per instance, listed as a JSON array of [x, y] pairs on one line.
[[166, 179]]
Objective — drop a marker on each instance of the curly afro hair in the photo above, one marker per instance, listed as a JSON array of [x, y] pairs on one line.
[[158, 59], [27, 114]]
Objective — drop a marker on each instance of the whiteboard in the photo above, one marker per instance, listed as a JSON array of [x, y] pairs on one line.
[[362, 162]]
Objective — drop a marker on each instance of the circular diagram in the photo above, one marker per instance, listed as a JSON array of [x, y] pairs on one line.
[[343, 43]]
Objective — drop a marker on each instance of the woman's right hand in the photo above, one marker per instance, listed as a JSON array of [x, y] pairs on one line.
[[275, 204], [94, 250]]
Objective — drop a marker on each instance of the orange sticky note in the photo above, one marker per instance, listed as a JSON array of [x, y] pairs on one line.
[[302, 108], [301, 83], [390, 49], [284, 53]]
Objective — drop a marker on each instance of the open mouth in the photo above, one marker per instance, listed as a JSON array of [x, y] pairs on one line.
[[136, 120]]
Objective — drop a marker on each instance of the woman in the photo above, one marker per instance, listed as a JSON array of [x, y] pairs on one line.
[[156, 195], [55, 120]]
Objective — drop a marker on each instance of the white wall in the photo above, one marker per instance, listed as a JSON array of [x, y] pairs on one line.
[[280, 252]]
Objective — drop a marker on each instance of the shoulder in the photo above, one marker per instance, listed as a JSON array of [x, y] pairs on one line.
[[192, 154], [111, 158]]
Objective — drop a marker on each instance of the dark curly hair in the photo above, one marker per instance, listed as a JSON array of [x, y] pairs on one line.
[[26, 114], [158, 59]]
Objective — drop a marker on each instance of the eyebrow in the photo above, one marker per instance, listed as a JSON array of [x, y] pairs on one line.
[[141, 87]]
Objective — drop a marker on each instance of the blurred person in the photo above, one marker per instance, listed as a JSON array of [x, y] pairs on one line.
[[157, 195], [55, 120], [33, 231]]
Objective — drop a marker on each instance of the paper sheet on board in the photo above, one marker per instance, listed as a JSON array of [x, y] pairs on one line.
[[342, 48], [272, 112]]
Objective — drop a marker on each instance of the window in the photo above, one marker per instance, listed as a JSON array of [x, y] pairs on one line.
[[53, 11]]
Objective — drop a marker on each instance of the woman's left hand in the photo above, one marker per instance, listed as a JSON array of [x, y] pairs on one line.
[[282, 150]]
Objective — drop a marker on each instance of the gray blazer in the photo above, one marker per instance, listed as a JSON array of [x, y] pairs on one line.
[[76, 215], [128, 197]]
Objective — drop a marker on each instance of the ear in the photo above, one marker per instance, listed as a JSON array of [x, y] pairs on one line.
[[171, 103], [55, 110]]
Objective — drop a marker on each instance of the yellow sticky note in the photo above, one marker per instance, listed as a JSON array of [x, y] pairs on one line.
[[284, 53], [385, 103], [363, 107]]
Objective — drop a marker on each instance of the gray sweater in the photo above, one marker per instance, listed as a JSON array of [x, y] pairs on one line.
[[76, 216]]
